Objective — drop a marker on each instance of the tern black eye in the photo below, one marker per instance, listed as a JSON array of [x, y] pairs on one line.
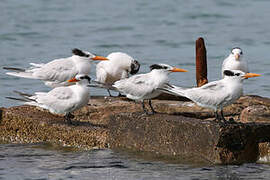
[[237, 74], [241, 52]]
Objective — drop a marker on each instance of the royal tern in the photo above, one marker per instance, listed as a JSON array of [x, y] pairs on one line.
[[144, 86], [217, 94], [61, 100], [57, 72], [118, 67], [235, 61]]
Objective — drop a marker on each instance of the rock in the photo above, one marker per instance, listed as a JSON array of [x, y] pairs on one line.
[[255, 113], [181, 130]]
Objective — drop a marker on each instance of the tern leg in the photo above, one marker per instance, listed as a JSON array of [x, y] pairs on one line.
[[68, 118], [217, 118], [222, 116], [109, 92], [150, 104], [144, 109]]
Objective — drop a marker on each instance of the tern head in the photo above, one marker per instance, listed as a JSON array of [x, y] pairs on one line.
[[134, 67], [236, 53], [124, 61], [81, 79], [88, 55], [237, 74], [166, 68]]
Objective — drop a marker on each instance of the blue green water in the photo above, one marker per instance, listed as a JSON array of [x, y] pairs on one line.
[[152, 32]]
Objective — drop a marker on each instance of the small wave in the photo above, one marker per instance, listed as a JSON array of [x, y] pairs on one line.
[[96, 167]]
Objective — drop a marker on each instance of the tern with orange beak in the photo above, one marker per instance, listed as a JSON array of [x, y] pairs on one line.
[[61, 100], [235, 61], [217, 94], [57, 72], [144, 86]]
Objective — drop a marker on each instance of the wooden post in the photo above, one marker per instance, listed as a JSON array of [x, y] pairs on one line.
[[201, 62]]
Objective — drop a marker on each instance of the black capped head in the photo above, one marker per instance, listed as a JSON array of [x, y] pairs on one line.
[[79, 52], [160, 66], [235, 73], [81, 77], [88, 55], [166, 68], [134, 67]]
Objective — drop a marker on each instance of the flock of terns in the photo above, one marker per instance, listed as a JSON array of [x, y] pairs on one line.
[[69, 78]]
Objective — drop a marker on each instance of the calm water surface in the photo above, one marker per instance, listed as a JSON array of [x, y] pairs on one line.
[[152, 32], [41, 162]]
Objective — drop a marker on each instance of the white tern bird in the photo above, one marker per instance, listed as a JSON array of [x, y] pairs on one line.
[[61, 100], [235, 61], [57, 72], [144, 86], [119, 66], [216, 94]]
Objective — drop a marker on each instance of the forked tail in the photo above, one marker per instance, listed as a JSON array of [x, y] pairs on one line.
[[171, 89], [102, 85], [19, 72], [24, 97]]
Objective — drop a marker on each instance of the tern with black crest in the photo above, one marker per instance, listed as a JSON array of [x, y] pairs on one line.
[[57, 72], [214, 95], [144, 86], [61, 100]]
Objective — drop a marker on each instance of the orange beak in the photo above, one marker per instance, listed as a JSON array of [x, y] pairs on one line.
[[237, 56], [178, 70], [73, 80], [250, 75], [99, 58]]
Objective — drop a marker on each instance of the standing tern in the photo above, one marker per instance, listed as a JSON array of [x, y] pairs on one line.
[[217, 94], [235, 61], [118, 67], [61, 100], [57, 72], [144, 86]]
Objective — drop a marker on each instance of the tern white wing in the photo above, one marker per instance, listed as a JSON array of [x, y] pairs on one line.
[[211, 95], [57, 70], [59, 100], [136, 87]]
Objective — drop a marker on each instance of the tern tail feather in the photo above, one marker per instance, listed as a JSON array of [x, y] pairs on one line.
[[25, 97], [14, 69], [17, 99], [102, 85], [171, 89], [22, 74]]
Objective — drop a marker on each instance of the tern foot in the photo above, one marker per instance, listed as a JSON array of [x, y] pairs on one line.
[[68, 118]]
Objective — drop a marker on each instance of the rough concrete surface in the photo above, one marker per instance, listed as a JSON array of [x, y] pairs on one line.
[[180, 130]]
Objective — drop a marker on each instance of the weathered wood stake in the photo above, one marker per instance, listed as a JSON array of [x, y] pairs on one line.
[[201, 62]]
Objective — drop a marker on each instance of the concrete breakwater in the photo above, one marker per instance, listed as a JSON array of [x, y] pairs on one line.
[[181, 129]]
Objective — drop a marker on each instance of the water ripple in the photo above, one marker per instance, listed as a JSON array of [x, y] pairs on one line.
[[96, 167]]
